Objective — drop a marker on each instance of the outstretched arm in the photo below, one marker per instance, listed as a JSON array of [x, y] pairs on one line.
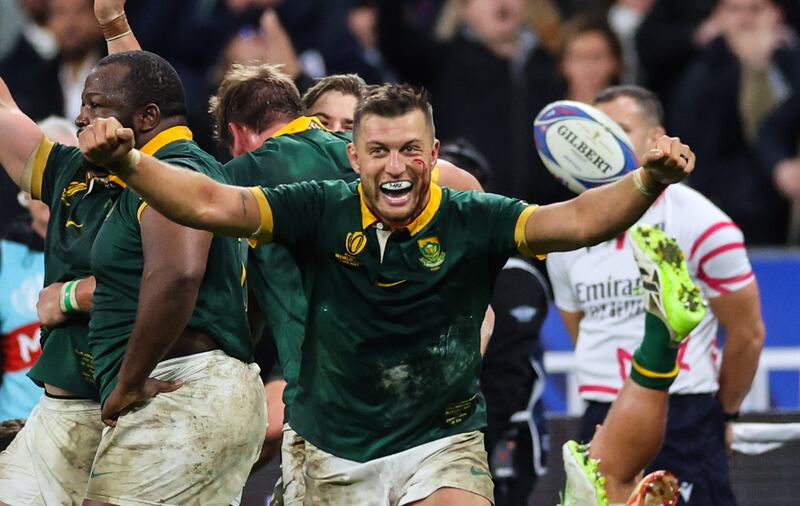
[[114, 23], [183, 196], [602, 213], [19, 138]]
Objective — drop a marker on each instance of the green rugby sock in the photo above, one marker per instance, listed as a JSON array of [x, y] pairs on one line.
[[654, 362]]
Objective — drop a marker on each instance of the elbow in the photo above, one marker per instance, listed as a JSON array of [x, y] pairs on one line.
[[176, 279]]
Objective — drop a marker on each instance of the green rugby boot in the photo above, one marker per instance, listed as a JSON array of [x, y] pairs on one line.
[[585, 485], [672, 296]]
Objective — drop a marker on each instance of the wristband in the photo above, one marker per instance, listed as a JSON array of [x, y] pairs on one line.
[[730, 417], [69, 296], [116, 28], [639, 183], [127, 164]]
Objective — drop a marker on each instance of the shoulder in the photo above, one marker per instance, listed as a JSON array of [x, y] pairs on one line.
[[188, 154]]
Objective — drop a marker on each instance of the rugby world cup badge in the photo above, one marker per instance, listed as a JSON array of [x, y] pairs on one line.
[[432, 254], [355, 242]]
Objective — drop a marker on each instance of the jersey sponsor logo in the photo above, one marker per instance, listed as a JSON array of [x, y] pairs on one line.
[[355, 242], [71, 189], [432, 254], [21, 348]]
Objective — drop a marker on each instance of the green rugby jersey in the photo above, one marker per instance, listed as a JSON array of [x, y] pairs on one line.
[[78, 204], [301, 151], [391, 354], [117, 263]]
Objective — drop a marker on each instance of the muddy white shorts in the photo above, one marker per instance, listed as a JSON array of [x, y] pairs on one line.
[[456, 461], [195, 445], [49, 461]]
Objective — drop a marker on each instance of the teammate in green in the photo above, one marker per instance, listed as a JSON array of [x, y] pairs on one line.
[[46, 464], [168, 319], [258, 116], [398, 273]]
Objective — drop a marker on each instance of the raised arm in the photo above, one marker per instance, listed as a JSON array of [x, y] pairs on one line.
[[114, 23], [185, 197], [602, 213], [19, 138]]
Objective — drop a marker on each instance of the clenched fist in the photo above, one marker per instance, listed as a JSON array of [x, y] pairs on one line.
[[106, 143], [670, 161]]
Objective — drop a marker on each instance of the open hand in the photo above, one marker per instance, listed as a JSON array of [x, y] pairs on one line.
[[670, 161], [106, 143], [122, 398]]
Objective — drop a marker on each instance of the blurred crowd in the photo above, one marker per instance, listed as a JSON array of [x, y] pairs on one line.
[[727, 71]]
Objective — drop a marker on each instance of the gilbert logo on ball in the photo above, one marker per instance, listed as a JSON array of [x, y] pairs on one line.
[[581, 146]]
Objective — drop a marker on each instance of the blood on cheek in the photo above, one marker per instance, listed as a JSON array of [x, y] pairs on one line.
[[419, 162]]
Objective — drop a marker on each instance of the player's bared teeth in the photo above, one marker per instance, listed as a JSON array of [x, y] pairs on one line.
[[396, 185]]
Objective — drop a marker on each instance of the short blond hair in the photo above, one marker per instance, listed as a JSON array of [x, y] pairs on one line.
[[346, 84], [255, 96]]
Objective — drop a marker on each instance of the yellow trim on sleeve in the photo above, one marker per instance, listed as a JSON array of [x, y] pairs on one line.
[[519, 232], [265, 228], [177, 133], [139, 212], [38, 164], [652, 374]]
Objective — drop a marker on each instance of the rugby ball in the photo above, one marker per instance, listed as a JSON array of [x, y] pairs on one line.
[[581, 146]]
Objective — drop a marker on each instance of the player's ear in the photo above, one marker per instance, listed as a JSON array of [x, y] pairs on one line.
[[435, 151], [148, 117], [352, 155]]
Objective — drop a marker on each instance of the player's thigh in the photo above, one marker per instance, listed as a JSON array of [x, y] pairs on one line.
[[48, 462], [452, 497], [452, 465], [195, 445]]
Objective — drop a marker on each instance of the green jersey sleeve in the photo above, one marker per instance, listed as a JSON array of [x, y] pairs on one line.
[[500, 220], [289, 214]]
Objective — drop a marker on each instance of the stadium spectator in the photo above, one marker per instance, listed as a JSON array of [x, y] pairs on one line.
[[738, 79], [597, 291], [779, 152], [591, 59], [45, 86], [669, 38], [21, 279], [625, 17], [487, 82], [404, 415], [358, 52]]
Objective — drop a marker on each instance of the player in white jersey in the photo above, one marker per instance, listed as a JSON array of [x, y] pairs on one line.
[[598, 292]]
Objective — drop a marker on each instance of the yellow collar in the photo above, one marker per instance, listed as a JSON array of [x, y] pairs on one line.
[[420, 222], [178, 133], [301, 124]]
